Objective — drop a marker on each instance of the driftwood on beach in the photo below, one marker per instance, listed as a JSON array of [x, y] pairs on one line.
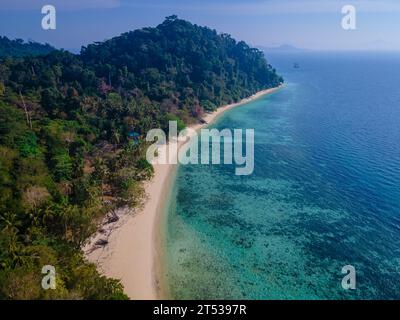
[[107, 226], [101, 242]]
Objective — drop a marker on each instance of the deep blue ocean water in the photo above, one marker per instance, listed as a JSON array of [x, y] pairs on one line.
[[325, 191]]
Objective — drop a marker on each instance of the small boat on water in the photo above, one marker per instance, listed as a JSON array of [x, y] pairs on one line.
[[296, 65]]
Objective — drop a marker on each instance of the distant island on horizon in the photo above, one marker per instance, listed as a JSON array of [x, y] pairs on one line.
[[284, 48]]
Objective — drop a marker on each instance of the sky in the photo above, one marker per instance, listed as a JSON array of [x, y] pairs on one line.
[[312, 24]]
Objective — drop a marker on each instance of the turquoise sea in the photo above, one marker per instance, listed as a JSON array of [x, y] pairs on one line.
[[325, 191]]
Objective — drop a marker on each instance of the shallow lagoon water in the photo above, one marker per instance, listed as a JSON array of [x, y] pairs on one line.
[[325, 191]]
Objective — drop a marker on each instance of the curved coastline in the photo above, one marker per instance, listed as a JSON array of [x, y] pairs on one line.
[[134, 253]]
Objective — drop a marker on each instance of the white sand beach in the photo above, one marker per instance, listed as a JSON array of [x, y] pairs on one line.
[[134, 246]]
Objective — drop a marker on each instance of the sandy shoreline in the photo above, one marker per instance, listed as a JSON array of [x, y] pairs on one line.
[[134, 249]]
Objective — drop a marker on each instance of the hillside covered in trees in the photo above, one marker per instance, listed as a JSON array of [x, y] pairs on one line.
[[18, 48], [71, 140]]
